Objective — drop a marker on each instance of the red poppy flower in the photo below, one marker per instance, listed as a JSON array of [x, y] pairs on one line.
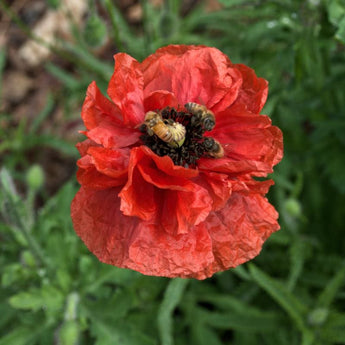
[[167, 168]]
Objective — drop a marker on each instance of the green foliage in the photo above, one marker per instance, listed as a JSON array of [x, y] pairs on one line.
[[172, 297], [336, 14], [95, 31], [55, 292]]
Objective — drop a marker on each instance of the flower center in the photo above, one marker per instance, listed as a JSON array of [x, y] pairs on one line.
[[180, 134]]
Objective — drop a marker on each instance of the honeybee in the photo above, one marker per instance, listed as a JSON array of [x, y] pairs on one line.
[[203, 114], [173, 133], [213, 148]]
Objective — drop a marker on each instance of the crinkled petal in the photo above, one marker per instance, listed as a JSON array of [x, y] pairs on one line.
[[113, 136], [181, 210], [218, 186], [254, 90], [84, 145], [251, 144], [155, 252], [139, 198], [239, 237], [113, 163], [159, 100], [238, 118], [205, 77], [234, 167], [89, 176], [103, 120], [97, 110], [98, 221], [159, 67], [102, 168], [126, 89], [162, 195], [198, 74], [130, 243], [248, 186]]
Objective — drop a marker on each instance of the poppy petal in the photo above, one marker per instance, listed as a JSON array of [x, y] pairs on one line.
[[155, 252], [197, 74], [97, 110], [135, 244], [103, 120], [254, 90], [126, 89], [93, 213], [160, 100], [218, 186], [184, 204], [239, 238], [90, 177]]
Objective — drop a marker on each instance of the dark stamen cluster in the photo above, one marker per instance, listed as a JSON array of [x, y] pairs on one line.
[[195, 145]]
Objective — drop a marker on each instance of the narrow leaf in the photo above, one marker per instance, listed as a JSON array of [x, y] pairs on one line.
[[330, 292], [281, 295], [172, 297]]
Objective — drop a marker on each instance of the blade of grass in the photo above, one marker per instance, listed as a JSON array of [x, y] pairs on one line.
[[172, 297], [293, 307], [43, 114], [328, 295]]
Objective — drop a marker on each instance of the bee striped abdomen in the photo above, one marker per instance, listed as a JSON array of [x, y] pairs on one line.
[[201, 114], [173, 133]]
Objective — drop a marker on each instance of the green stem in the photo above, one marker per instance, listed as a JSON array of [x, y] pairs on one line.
[[14, 216], [33, 245]]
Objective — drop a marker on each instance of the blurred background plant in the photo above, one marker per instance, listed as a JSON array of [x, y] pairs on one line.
[[54, 291]]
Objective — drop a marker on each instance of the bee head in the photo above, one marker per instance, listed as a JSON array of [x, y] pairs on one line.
[[209, 122]]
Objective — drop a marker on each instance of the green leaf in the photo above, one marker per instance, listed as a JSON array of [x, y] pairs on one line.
[[241, 272], [121, 333], [295, 309], [336, 15], [95, 30], [38, 120], [15, 274], [88, 61], [7, 185], [119, 276], [171, 299], [47, 297], [68, 79], [334, 336], [120, 303], [336, 11], [298, 252], [19, 336], [53, 142], [204, 335], [69, 333], [340, 34], [238, 315], [244, 322], [330, 292], [6, 313]]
